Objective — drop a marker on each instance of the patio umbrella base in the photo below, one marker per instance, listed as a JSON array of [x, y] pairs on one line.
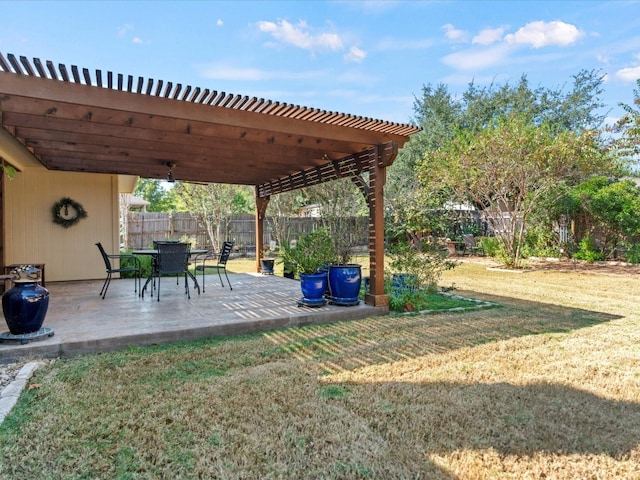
[[27, 337]]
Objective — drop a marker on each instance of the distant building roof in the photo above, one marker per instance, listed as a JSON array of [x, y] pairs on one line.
[[136, 202]]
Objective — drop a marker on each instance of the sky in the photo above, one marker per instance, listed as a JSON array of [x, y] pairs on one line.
[[366, 58]]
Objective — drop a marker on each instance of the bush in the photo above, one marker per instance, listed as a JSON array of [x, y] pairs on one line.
[[588, 251], [311, 252], [424, 267], [632, 255], [540, 242]]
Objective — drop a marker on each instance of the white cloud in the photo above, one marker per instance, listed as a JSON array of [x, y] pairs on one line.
[[301, 35], [355, 55], [630, 74], [477, 59], [219, 23], [122, 30], [541, 34], [454, 34], [488, 36], [137, 40]]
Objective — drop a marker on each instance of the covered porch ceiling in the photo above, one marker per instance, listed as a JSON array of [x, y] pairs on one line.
[[71, 120]]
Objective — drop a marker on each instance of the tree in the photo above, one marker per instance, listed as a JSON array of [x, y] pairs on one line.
[[213, 205], [609, 209], [411, 207], [411, 212], [628, 144], [340, 202], [152, 190], [507, 168], [280, 209]]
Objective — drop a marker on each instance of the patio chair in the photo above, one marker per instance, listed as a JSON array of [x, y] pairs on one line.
[[136, 269], [172, 259], [470, 244], [223, 257]]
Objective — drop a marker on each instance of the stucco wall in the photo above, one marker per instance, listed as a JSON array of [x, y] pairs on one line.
[[32, 237]]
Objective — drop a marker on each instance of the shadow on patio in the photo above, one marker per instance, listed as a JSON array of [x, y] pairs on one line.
[[84, 323]]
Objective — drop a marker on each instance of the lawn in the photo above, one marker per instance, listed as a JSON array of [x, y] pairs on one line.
[[546, 386]]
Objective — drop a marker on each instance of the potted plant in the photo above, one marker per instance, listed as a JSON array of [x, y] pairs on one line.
[[344, 277], [310, 254], [289, 267], [267, 262]]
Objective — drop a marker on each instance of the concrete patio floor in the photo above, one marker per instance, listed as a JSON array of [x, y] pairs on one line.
[[84, 323]]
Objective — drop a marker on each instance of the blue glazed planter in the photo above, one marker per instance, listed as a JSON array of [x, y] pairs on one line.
[[404, 281], [313, 286], [344, 284], [24, 307]]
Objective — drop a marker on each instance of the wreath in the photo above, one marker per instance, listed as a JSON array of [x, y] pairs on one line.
[[67, 212]]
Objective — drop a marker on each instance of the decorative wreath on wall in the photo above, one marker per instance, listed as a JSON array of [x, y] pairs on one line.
[[67, 212]]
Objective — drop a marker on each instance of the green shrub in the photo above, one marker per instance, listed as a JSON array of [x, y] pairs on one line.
[[311, 252], [425, 268], [632, 255], [540, 242], [588, 251]]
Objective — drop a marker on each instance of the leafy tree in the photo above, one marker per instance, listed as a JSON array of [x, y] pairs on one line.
[[160, 198], [280, 209], [508, 167], [608, 211], [340, 201], [412, 212], [628, 144], [213, 205], [412, 208]]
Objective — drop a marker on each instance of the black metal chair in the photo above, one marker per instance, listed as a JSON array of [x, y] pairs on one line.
[[137, 269], [222, 258], [172, 259]]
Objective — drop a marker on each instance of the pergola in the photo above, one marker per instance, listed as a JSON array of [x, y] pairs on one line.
[[71, 120]]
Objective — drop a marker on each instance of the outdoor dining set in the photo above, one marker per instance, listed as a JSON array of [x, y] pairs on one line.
[[168, 258]]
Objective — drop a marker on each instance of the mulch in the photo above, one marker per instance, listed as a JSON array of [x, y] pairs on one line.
[[609, 268]]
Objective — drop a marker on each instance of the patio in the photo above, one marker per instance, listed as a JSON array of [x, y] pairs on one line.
[[84, 323]]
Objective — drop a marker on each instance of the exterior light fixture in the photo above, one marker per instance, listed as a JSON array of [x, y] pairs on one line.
[[170, 177]]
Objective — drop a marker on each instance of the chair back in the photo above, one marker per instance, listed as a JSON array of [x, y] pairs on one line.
[[105, 257], [173, 258], [469, 240], [225, 252]]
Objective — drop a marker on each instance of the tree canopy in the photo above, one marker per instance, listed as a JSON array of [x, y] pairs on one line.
[[500, 148]]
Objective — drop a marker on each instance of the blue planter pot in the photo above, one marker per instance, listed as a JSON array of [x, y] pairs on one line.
[[404, 281], [24, 307], [313, 286], [344, 284]]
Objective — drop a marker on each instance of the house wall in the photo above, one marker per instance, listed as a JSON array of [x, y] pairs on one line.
[[32, 237]]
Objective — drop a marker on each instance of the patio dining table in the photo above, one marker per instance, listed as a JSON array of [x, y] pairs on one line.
[[153, 252]]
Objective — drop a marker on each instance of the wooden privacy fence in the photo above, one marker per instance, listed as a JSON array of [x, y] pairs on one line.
[[145, 227]]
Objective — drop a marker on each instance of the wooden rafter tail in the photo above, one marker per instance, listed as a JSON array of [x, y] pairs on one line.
[[388, 153]]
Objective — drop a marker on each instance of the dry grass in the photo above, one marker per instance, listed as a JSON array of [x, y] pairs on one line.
[[547, 386]]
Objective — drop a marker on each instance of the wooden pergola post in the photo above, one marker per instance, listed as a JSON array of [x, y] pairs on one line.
[[377, 179], [261, 209]]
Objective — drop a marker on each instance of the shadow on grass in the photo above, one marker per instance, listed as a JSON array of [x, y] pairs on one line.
[[354, 344], [524, 420]]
